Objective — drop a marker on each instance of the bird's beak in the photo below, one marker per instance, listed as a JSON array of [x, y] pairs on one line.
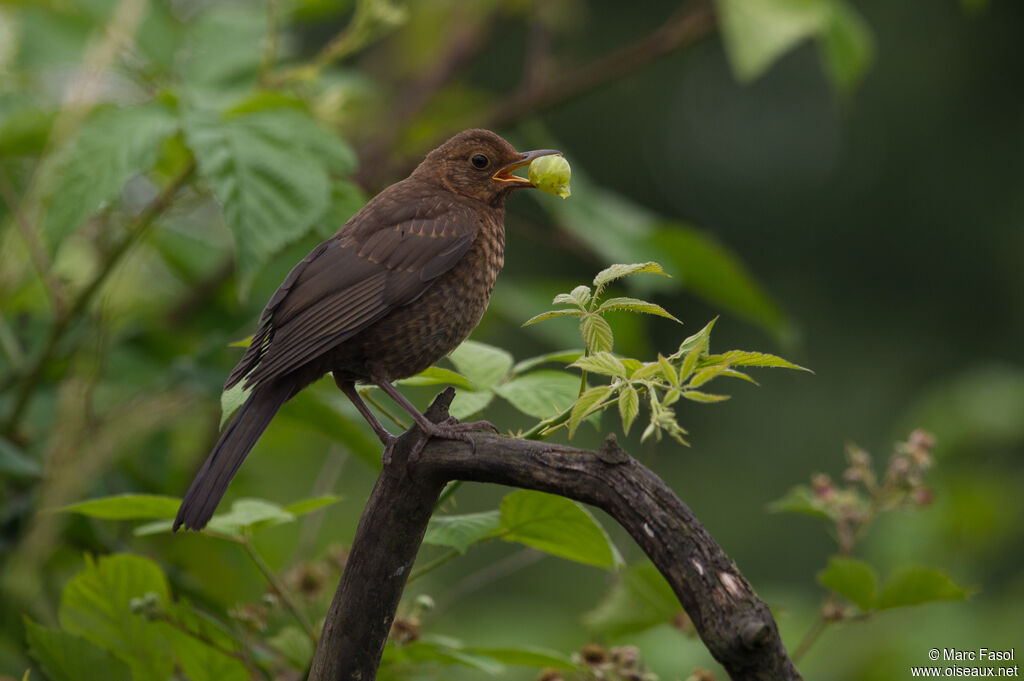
[[504, 174]]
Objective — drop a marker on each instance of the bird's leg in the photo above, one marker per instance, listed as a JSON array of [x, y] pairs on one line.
[[388, 440], [449, 429]]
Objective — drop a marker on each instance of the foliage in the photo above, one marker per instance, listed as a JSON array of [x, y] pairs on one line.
[[850, 511]]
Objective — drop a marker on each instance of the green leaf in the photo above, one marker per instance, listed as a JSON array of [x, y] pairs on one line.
[[757, 32], [260, 168], [733, 373], [801, 499], [25, 130], [434, 649], [89, 172], [690, 361], [705, 375], [561, 357], [647, 371], [714, 272], [96, 605], [127, 507], [541, 394], [199, 660], [469, 402], [305, 506], [461, 531], [597, 334], [527, 657], [852, 579], [484, 365], [231, 400], [743, 358], [629, 406], [587, 403], [578, 296], [916, 585], [698, 396], [551, 314], [604, 363], [698, 341], [614, 272], [557, 526], [635, 305], [64, 657], [668, 371], [438, 376], [639, 600], [248, 515], [14, 462], [846, 45]]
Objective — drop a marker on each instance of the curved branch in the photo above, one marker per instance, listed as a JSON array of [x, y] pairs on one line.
[[735, 625]]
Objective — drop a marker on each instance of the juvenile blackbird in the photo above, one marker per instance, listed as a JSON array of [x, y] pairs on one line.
[[397, 288]]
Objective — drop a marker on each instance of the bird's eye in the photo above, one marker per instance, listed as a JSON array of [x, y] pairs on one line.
[[479, 161]]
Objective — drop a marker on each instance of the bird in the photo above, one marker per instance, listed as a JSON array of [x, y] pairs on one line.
[[399, 286]]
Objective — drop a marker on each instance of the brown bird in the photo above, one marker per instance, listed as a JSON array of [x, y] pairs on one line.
[[397, 288]]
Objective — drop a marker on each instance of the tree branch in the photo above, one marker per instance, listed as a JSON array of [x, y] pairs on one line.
[[734, 624]]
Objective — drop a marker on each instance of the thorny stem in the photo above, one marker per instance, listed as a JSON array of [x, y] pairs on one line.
[[279, 587], [63, 322]]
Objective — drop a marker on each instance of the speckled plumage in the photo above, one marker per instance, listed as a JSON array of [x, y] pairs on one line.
[[397, 288]]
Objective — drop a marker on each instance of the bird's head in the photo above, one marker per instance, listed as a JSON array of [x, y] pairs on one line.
[[479, 164]]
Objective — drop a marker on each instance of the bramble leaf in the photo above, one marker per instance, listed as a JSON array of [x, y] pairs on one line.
[[597, 334], [587, 403], [557, 526], [916, 585], [551, 314], [127, 507], [604, 363], [698, 396], [541, 394], [461, 531], [852, 579], [614, 272], [635, 305], [484, 365], [629, 406]]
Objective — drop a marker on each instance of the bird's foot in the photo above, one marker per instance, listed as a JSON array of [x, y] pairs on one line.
[[450, 429], [389, 448]]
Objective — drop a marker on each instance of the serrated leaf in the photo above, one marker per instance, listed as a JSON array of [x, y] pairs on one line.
[[667, 370], [699, 340], [112, 146], [604, 363], [707, 398], [438, 376], [801, 499], [551, 314], [705, 375], [578, 296], [639, 600], [629, 406], [462, 531], [852, 579], [443, 651], [561, 357], [757, 32], [587, 403], [127, 507], [614, 272], [597, 334], [635, 305], [96, 605], [646, 371], [305, 506], [541, 394], [743, 358], [249, 515], [914, 585], [64, 657], [199, 660], [260, 168], [557, 526], [733, 373], [484, 365], [690, 361]]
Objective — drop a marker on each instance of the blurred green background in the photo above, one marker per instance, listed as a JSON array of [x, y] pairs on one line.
[[862, 217]]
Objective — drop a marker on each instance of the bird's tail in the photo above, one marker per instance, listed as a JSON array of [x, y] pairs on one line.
[[230, 451]]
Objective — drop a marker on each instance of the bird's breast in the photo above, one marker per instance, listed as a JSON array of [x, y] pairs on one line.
[[412, 337]]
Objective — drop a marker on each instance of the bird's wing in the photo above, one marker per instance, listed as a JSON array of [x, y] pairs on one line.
[[347, 283]]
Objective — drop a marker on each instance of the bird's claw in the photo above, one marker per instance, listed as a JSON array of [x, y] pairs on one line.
[[450, 429]]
